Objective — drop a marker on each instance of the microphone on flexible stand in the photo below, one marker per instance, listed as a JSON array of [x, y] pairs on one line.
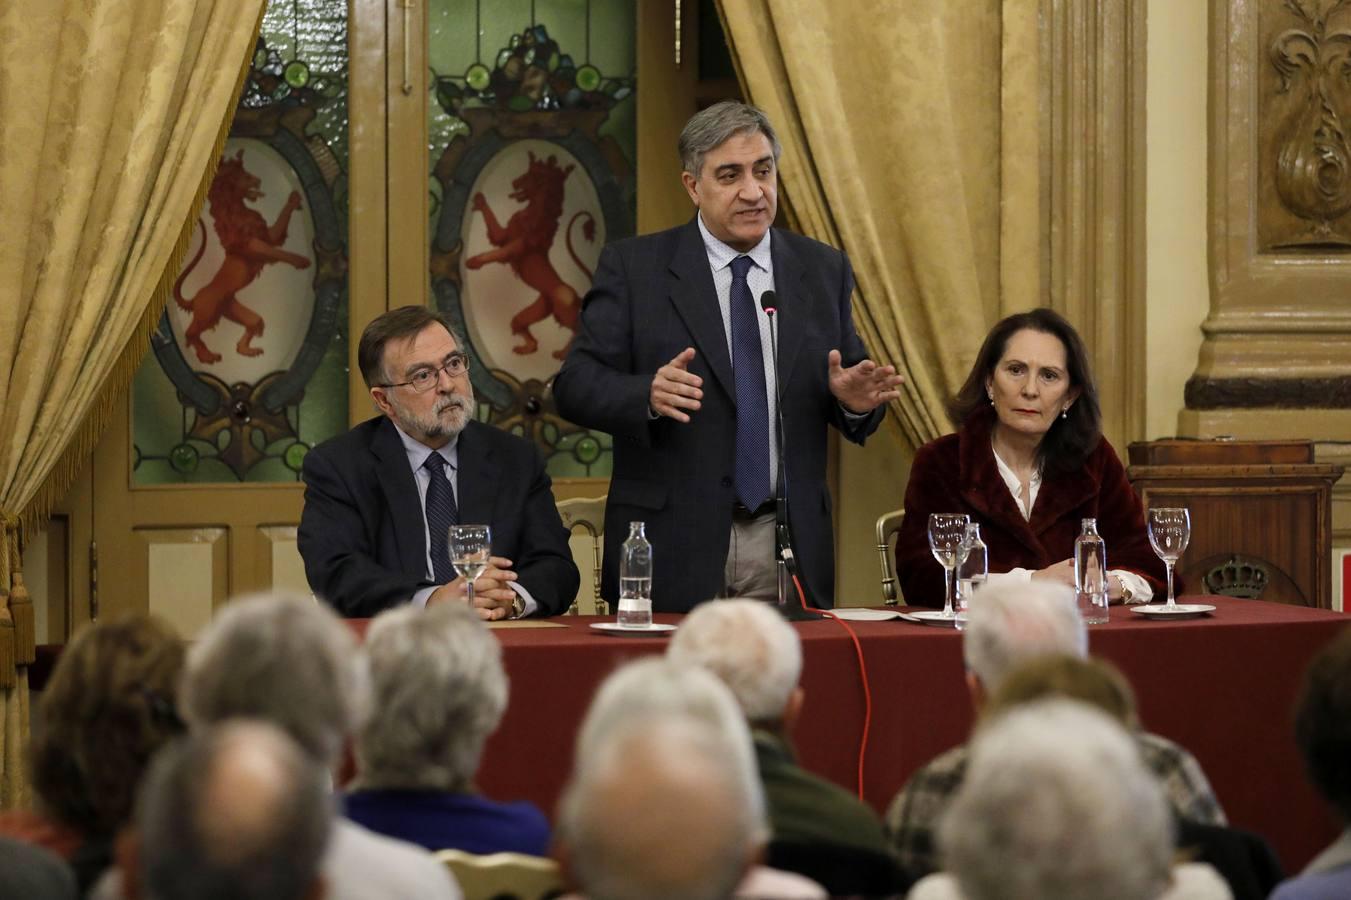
[[792, 605]]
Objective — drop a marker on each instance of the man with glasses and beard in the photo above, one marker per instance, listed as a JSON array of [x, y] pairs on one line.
[[378, 499]]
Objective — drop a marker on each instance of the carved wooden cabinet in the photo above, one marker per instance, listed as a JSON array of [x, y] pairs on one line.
[[1261, 515]]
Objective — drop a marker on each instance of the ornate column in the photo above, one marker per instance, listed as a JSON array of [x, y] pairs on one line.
[[1276, 361]]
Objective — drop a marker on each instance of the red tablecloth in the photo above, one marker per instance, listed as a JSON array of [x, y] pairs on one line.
[[1222, 686]]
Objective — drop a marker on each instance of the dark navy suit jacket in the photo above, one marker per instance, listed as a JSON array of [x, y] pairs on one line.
[[362, 535], [652, 297]]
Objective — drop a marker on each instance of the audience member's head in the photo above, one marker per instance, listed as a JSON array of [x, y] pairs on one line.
[[283, 659], [1323, 723], [235, 812], [1092, 681], [439, 691], [751, 649], [108, 707], [664, 800], [1011, 623], [1057, 803]]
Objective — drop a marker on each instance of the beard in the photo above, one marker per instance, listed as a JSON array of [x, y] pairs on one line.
[[446, 420]]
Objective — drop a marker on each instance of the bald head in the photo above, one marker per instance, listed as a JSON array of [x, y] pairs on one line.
[[236, 812], [659, 811]]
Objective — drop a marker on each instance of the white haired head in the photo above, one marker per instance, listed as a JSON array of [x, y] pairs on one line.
[[749, 647], [1010, 624], [1056, 802], [439, 690]]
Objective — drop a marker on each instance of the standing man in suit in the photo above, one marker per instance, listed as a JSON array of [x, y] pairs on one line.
[[371, 493], [673, 359]]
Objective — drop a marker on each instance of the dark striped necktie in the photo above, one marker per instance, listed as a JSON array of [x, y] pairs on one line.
[[441, 514]]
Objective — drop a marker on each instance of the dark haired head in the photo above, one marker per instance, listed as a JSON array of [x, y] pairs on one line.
[[403, 323], [1323, 723], [107, 709], [1070, 439]]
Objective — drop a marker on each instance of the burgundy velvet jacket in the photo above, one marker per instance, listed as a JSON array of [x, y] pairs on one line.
[[958, 474]]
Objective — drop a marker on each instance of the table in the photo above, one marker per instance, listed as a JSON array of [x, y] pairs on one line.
[[1221, 686]]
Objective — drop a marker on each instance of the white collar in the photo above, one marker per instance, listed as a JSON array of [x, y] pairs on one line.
[[721, 255]]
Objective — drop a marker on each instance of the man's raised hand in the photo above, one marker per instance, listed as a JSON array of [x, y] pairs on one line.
[[863, 387], [675, 388]]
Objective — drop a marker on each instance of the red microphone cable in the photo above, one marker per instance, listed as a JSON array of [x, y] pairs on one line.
[[863, 675]]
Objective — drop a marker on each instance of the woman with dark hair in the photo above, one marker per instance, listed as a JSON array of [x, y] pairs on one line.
[[1028, 463], [108, 707]]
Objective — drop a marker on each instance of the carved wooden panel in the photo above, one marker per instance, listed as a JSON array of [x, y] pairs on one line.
[[1304, 99], [1276, 517]]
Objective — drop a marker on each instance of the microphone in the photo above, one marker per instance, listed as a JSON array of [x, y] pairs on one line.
[[794, 611]]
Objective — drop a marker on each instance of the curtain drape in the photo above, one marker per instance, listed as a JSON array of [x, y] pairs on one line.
[[112, 114], [910, 141]]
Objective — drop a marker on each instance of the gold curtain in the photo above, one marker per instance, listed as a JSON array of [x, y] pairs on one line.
[[112, 115], [910, 141]]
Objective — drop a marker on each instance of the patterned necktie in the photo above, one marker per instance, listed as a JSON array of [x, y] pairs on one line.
[[752, 408], [441, 514]]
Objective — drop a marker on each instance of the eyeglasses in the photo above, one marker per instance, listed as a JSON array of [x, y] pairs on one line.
[[426, 378]]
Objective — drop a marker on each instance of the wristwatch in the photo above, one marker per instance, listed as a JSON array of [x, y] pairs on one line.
[[517, 607]]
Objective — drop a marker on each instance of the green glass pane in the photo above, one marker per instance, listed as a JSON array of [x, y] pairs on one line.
[[565, 70], [196, 419]]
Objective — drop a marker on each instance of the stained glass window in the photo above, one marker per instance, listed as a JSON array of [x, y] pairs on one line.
[[532, 145], [249, 368]]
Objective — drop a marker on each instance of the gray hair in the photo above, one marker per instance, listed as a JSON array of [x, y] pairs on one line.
[[1056, 802], [285, 659], [657, 688], [236, 812], [659, 807], [710, 128], [749, 647], [1011, 623], [439, 690]]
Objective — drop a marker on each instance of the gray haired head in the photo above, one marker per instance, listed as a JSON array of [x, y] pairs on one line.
[[664, 800], [710, 128], [439, 691], [1056, 802], [285, 659]]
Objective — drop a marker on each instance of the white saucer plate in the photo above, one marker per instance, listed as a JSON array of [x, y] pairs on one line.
[[1181, 611], [863, 614], [630, 631], [935, 617]]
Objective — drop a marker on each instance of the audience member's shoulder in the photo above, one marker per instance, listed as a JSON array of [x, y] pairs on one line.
[[764, 883], [1197, 881], [33, 873], [1332, 885], [363, 865], [939, 886]]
